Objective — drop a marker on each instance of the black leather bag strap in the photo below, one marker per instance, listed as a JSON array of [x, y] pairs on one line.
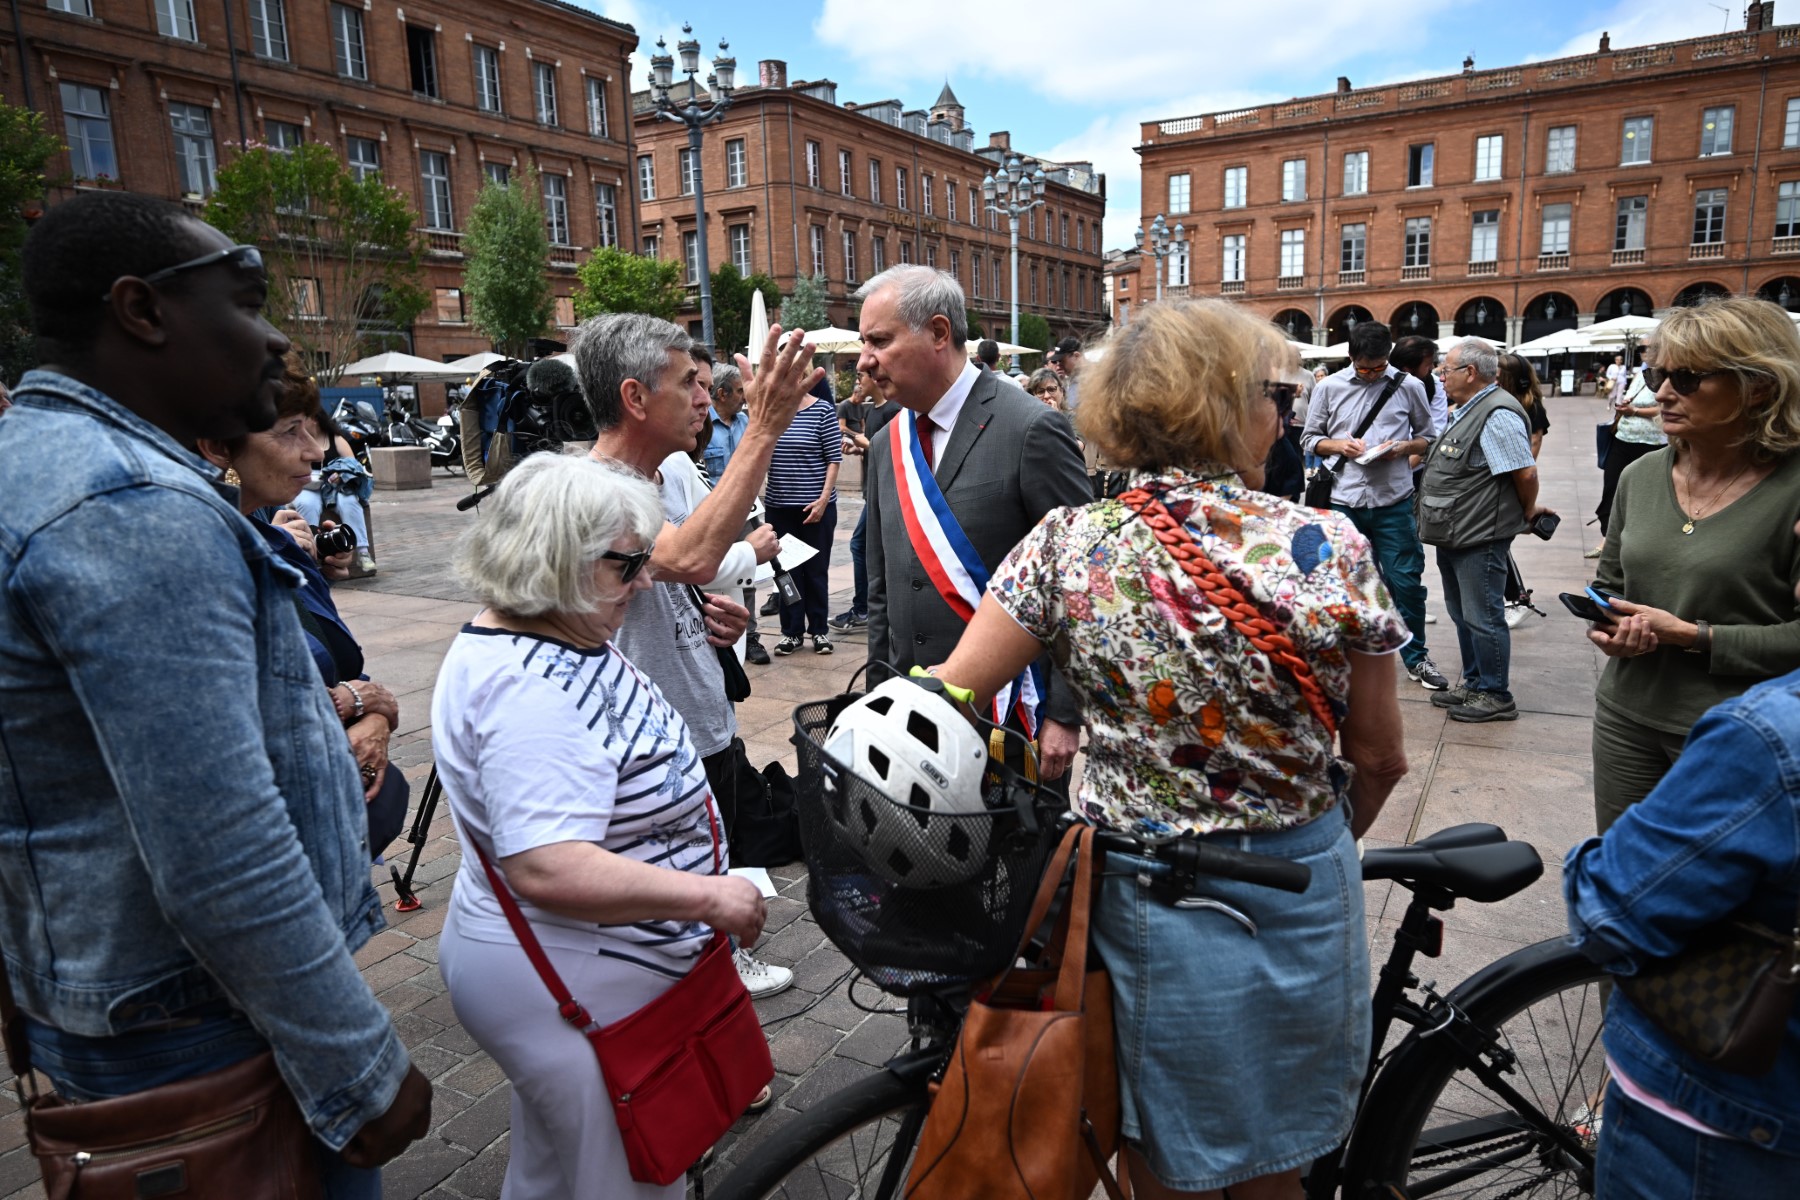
[[1362, 426]]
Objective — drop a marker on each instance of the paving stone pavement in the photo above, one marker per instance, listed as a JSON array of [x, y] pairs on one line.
[[1532, 776]]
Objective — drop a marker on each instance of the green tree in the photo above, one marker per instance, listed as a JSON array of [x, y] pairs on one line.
[[508, 252], [1034, 331], [612, 281], [344, 256], [974, 333], [25, 148], [804, 307], [732, 296]]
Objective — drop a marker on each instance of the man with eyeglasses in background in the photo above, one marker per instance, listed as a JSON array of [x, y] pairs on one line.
[[1377, 495]]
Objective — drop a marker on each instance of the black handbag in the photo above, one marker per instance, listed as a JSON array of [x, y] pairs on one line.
[[737, 683], [1726, 999], [1325, 477]]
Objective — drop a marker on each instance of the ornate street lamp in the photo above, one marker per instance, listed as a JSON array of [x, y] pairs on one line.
[[696, 117], [1161, 243], [1011, 192]]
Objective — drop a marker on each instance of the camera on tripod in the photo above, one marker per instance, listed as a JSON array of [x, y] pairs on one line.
[[340, 539]]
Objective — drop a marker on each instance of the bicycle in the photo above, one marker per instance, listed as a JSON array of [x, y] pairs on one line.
[[1487, 1094]]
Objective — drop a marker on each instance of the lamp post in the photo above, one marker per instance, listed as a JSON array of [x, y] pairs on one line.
[[696, 117], [1161, 243], [1010, 192]]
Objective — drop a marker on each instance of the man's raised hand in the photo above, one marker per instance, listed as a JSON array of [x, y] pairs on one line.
[[780, 388]]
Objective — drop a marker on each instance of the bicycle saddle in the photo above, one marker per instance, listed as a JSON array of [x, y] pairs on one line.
[[1483, 872]]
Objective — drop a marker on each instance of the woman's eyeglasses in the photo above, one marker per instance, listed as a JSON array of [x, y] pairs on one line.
[[1684, 381], [631, 562]]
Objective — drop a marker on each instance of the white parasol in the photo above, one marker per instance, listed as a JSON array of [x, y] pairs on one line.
[[759, 327]]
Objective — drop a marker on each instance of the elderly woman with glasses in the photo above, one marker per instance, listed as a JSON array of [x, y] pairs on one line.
[[566, 766], [1047, 386], [1699, 546]]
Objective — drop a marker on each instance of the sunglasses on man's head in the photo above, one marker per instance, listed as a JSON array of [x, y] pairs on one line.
[[1684, 381], [244, 258], [631, 562]]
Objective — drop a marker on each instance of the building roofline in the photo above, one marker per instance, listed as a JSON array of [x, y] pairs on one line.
[[591, 15]]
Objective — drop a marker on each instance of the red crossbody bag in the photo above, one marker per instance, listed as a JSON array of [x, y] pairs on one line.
[[680, 1069]]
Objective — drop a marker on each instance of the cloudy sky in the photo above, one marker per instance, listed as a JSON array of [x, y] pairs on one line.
[[1072, 79]]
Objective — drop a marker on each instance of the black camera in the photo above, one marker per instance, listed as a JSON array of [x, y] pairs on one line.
[[1544, 524], [338, 540]]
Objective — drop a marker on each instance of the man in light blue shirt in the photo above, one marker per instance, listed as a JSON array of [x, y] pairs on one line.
[[726, 419]]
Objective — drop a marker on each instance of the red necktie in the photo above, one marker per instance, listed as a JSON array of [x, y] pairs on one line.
[[926, 428]]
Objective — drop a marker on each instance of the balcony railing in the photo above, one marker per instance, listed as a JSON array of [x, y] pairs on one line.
[[1231, 287], [1631, 258], [447, 242], [1290, 283], [564, 256], [1408, 274], [1176, 291], [1785, 245], [1553, 262], [1347, 278], [1486, 267], [1706, 250]]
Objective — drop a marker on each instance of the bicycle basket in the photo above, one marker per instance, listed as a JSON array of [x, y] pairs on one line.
[[909, 939]]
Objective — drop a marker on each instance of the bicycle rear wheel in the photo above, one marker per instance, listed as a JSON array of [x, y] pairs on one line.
[[855, 1144], [1433, 1127]]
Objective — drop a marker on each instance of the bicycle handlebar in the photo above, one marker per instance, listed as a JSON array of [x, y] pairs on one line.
[[1191, 857]]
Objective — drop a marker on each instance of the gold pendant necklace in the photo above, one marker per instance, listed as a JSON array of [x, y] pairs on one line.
[[1688, 528]]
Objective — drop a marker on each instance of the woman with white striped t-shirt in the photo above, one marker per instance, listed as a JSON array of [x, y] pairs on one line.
[[564, 763]]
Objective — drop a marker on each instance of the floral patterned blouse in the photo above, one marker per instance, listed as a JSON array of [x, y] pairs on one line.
[[1189, 726]]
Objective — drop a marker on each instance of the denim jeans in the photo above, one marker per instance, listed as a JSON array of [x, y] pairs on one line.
[[1475, 593], [859, 570], [85, 1068], [812, 577], [1400, 558], [1645, 1156]]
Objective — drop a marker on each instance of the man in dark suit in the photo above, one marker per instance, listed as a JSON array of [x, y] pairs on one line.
[[1001, 458]]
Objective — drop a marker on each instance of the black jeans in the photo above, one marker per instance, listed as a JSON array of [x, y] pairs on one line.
[[813, 576], [1618, 456]]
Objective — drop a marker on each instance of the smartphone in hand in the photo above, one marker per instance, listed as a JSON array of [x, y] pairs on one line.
[[1584, 607]]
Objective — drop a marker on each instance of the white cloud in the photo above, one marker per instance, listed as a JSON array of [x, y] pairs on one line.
[[1643, 22]]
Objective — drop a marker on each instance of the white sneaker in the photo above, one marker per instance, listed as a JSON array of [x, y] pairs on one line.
[[760, 978], [1430, 619]]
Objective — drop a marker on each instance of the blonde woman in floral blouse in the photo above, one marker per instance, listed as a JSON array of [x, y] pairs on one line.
[[1247, 698]]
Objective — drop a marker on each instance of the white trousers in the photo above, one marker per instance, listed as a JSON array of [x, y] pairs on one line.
[[565, 1141]]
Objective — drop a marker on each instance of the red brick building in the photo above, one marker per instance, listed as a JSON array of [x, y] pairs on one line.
[[1503, 203], [438, 96], [798, 184]]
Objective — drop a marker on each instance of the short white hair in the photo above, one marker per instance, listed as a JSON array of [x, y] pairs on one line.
[[532, 551], [1473, 352], [922, 293]]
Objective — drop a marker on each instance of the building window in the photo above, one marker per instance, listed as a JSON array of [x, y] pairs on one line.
[[1554, 236], [347, 46], [421, 60], [975, 273], [931, 255], [305, 294], [1356, 174], [175, 18], [1034, 298], [875, 181], [1787, 210], [268, 29], [543, 79], [194, 158], [878, 255], [283, 135], [1715, 130], [434, 173], [81, 8], [87, 124], [994, 264], [690, 256], [1237, 186], [956, 269], [845, 174], [684, 159], [740, 248], [596, 102], [906, 251], [606, 210], [1179, 191], [556, 209], [563, 312], [850, 275], [1293, 252], [1709, 216], [1634, 215], [950, 202], [1080, 236], [1178, 273], [926, 199], [497, 173], [1559, 150], [1231, 258], [365, 157], [1293, 181], [1636, 149], [1420, 164], [487, 78], [646, 177], [1063, 229], [974, 206], [902, 192], [450, 306], [1790, 128], [652, 246], [818, 250], [1490, 156], [1353, 247], [1418, 242], [1031, 223], [1484, 236], [736, 174], [812, 164]]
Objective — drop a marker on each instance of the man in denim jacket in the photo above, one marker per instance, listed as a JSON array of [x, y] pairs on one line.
[[1718, 838], [183, 873]]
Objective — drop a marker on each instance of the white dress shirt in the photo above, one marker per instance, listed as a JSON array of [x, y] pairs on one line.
[[943, 414]]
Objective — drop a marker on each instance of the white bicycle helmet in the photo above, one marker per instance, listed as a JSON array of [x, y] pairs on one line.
[[918, 758]]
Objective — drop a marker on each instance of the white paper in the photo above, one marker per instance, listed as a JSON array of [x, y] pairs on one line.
[[1374, 452], [760, 877], [794, 552]]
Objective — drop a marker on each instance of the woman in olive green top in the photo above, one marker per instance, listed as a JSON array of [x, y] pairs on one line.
[[1701, 543]]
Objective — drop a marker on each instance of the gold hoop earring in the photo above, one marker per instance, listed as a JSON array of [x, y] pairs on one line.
[[231, 478]]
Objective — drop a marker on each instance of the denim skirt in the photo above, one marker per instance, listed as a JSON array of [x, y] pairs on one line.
[[1240, 1055]]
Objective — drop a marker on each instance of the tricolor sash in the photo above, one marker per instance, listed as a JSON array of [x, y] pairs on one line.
[[949, 558]]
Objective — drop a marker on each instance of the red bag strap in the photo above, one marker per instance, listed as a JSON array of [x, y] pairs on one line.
[[567, 1006]]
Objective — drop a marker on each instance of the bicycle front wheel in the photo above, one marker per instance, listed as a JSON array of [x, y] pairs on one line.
[[1434, 1127], [855, 1144]]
